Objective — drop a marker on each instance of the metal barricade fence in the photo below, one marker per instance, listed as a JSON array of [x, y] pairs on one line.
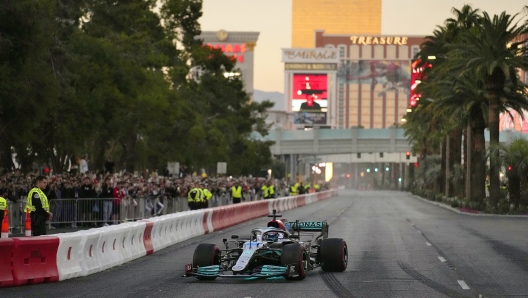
[[101, 211], [16, 215]]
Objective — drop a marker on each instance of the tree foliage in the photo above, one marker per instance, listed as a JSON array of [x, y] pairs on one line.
[[474, 77], [103, 78]]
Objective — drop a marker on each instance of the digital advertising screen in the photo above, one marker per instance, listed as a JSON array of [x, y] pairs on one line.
[[310, 93], [309, 118]]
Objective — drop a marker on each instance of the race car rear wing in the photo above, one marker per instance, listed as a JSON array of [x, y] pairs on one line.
[[311, 226]]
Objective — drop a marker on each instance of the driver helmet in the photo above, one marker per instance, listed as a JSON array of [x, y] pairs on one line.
[[271, 236]]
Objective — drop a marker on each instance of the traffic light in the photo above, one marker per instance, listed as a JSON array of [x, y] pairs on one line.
[[348, 175], [408, 155], [510, 168]]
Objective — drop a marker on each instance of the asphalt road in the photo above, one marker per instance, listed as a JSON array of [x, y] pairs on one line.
[[399, 246]]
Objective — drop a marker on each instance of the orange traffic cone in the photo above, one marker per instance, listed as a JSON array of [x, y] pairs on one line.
[[28, 224], [5, 225]]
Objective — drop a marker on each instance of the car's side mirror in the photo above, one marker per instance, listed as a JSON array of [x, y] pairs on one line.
[[234, 236]]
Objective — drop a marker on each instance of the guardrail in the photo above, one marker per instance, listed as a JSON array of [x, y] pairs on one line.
[[32, 260]]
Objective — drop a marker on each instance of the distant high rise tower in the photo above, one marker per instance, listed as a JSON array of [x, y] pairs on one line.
[[334, 17]]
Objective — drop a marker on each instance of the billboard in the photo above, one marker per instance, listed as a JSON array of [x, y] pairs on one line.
[[384, 76], [309, 118], [309, 93]]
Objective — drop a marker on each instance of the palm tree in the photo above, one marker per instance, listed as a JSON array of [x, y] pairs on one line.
[[440, 83], [461, 103], [494, 51]]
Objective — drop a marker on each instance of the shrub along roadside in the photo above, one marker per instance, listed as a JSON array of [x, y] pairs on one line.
[[504, 206]]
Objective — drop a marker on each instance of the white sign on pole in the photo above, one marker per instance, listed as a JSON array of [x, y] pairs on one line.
[[221, 168], [173, 167]]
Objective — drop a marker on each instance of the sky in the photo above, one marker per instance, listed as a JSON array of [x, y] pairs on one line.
[[272, 18]]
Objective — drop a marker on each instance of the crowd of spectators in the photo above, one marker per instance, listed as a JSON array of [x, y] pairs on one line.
[[96, 199]]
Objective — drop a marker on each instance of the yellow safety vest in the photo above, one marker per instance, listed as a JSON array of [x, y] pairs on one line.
[[271, 190], [265, 191], [236, 193], [198, 193], [3, 204], [43, 200], [293, 189], [208, 195]]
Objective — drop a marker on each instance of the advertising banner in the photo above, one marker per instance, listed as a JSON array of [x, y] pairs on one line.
[[309, 118], [393, 76]]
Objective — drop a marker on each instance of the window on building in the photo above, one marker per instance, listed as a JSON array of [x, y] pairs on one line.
[[342, 51], [415, 51], [403, 52]]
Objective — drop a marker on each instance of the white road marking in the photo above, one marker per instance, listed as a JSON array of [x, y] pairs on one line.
[[428, 244], [463, 285], [441, 259]]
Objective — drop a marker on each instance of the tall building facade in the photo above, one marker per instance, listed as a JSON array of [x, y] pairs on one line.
[[335, 17], [240, 46], [373, 78]]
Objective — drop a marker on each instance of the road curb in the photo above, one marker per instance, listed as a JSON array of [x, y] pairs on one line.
[[467, 213]]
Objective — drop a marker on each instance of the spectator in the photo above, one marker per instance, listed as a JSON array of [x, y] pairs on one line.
[[68, 206], [86, 202], [117, 195], [107, 191]]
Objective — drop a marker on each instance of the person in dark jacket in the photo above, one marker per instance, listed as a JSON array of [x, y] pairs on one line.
[[86, 195], [107, 196]]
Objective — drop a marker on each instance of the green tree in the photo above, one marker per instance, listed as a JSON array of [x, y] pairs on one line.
[[27, 85], [495, 51]]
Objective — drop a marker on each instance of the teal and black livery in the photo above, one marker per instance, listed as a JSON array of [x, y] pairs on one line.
[[310, 226]]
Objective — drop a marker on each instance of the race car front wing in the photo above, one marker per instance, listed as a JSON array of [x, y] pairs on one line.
[[266, 271]]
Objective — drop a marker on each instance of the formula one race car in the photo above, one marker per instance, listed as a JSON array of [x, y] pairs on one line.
[[271, 252]]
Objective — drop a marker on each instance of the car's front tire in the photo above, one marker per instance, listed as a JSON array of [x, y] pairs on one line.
[[295, 254], [333, 255], [206, 255]]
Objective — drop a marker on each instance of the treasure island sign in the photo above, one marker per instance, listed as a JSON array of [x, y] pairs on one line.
[[388, 40]]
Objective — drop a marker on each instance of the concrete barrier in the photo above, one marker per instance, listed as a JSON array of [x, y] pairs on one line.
[[63, 256]]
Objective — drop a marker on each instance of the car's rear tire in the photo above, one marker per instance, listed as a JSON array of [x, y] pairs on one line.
[[333, 255], [206, 255], [295, 254]]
